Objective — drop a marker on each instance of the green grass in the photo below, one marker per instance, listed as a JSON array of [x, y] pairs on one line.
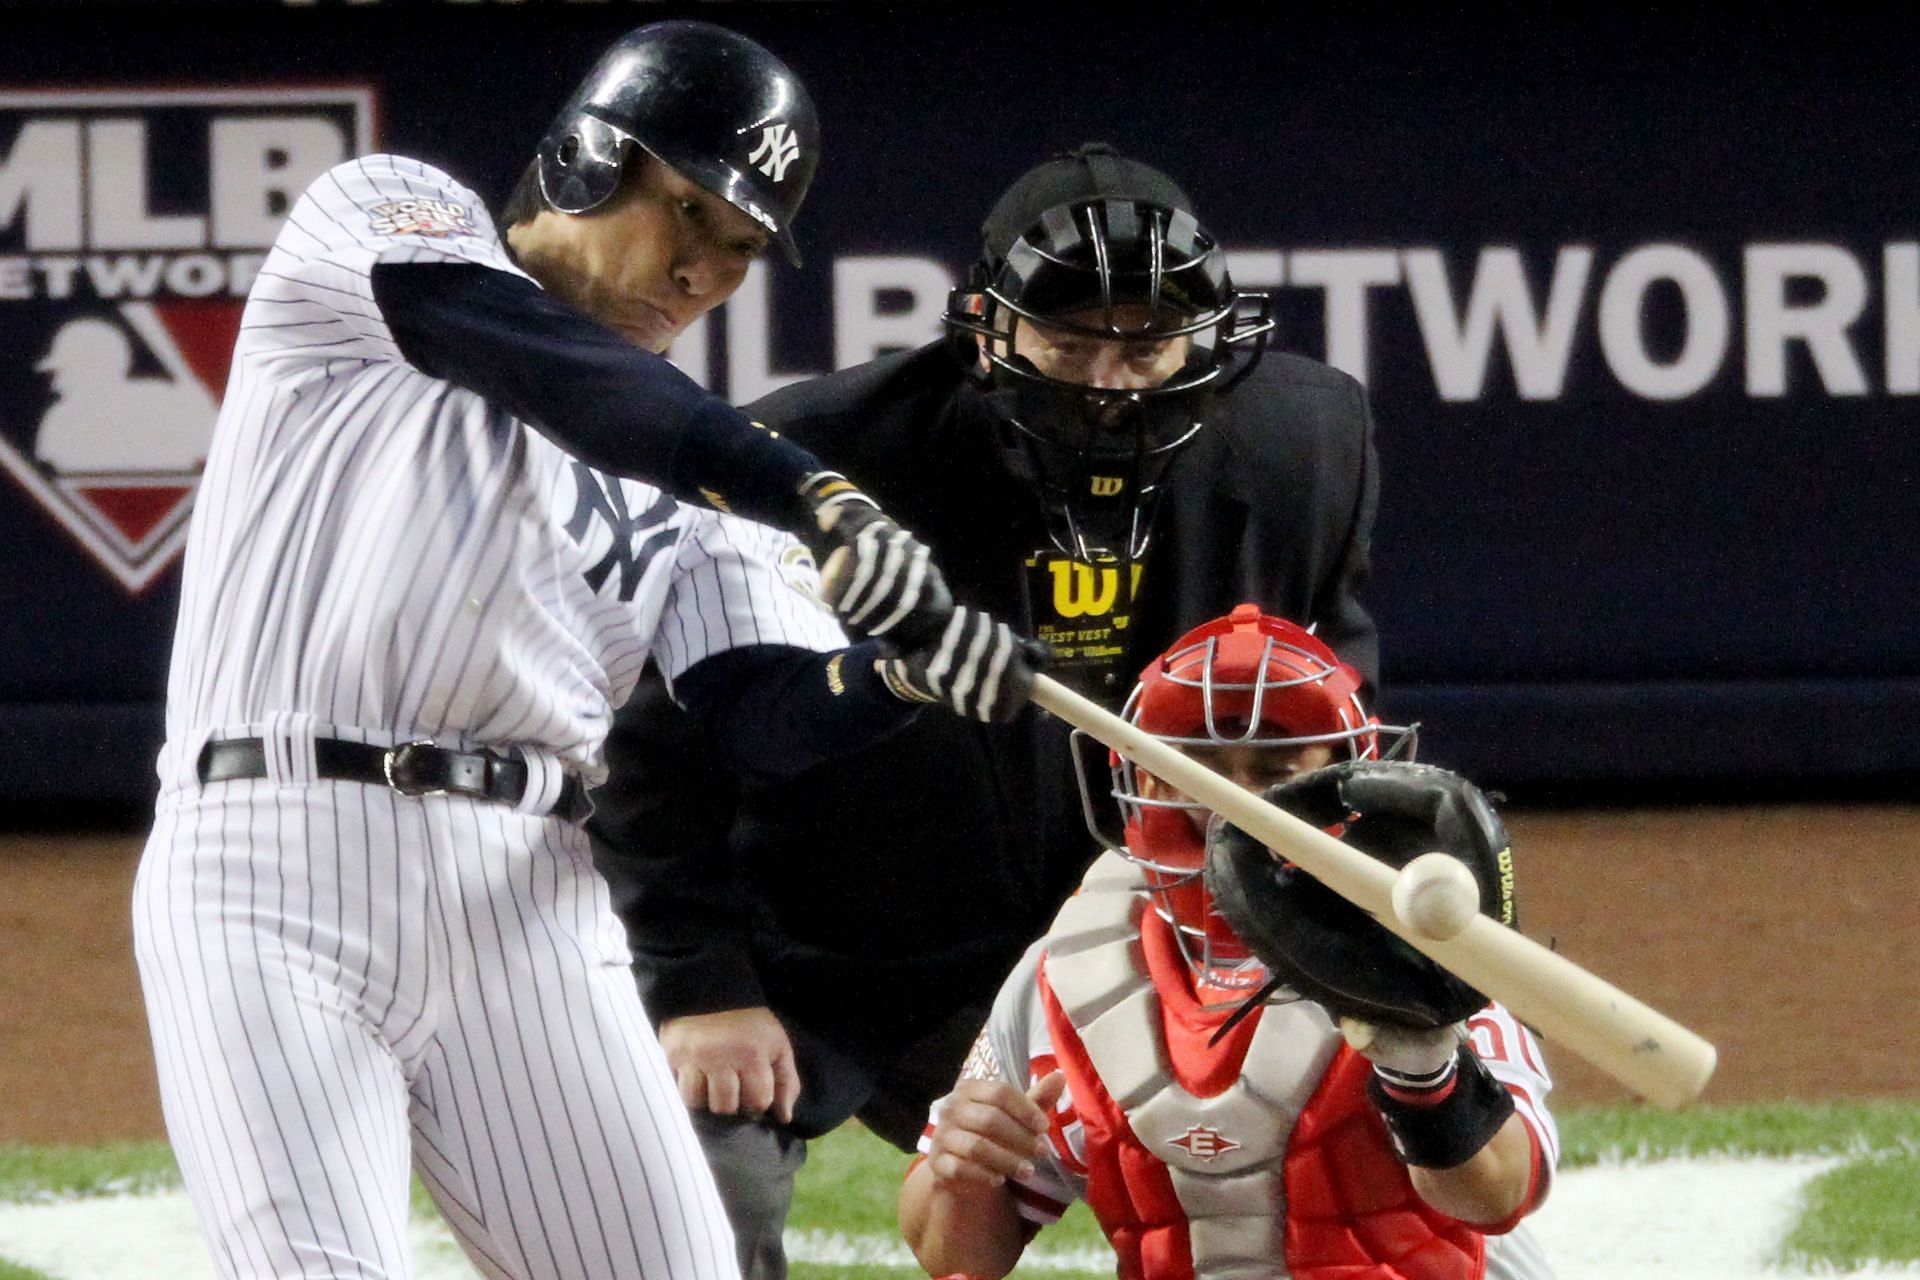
[[1865, 1211], [1077, 1230], [1860, 1213], [849, 1183], [1773, 1129], [73, 1172]]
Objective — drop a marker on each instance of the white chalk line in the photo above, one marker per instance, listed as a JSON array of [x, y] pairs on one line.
[[1712, 1218]]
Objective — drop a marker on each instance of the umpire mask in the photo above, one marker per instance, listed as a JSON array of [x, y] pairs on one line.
[[1106, 320]]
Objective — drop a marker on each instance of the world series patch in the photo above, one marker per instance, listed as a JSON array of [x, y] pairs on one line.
[[435, 219]]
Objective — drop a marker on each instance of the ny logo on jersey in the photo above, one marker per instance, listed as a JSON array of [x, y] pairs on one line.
[[636, 539], [778, 148]]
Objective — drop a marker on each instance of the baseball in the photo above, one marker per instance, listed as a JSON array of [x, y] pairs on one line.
[[1435, 896]]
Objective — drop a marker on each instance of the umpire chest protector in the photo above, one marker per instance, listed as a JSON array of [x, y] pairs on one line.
[[1195, 1177]]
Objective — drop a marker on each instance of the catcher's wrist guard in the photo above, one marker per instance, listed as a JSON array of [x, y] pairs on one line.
[[1443, 1123]]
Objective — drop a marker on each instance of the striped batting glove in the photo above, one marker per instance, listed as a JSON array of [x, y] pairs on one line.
[[879, 579], [977, 667]]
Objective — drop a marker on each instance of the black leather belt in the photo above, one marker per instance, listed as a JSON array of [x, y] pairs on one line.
[[412, 769]]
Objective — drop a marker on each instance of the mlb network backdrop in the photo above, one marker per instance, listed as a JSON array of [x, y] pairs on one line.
[[1637, 305], [136, 223]]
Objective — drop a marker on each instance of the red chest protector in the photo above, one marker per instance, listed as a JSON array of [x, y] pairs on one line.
[[1350, 1211], [1349, 1200]]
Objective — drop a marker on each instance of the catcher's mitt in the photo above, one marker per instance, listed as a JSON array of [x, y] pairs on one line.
[[1324, 947]]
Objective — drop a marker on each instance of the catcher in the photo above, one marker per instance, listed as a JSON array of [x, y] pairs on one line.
[[1241, 1073]]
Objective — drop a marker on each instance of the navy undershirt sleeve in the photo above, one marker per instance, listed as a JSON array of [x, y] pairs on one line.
[[776, 711], [614, 406]]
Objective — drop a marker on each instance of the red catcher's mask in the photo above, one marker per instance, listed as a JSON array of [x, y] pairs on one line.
[[1265, 690]]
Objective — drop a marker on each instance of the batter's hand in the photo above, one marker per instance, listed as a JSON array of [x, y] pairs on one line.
[[990, 1131], [736, 1062], [976, 667], [880, 579]]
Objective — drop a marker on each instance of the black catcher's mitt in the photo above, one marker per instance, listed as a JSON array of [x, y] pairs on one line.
[[1322, 946]]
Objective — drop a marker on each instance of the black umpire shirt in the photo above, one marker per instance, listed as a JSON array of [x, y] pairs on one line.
[[873, 897]]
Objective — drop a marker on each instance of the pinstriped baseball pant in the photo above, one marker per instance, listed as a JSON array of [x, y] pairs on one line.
[[342, 981]]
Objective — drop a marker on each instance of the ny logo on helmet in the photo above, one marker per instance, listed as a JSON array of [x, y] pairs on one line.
[[778, 148]]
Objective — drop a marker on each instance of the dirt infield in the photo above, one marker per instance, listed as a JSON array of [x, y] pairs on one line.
[[1783, 934]]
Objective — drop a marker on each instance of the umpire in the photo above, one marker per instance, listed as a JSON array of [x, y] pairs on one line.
[[1098, 453]]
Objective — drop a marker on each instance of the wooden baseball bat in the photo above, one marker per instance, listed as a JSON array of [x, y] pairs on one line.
[[1634, 1043]]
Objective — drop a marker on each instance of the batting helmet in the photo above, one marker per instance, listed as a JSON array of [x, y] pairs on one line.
[[1248, 680], [709, 102], [1105, 248]]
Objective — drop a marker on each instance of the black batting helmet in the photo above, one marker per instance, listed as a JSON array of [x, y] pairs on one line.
[[709, 102], [1107, 248]]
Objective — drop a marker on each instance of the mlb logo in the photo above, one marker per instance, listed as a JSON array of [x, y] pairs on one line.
[[131, 225]]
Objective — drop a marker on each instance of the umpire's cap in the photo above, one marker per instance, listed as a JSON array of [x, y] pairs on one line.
[[708, 101]]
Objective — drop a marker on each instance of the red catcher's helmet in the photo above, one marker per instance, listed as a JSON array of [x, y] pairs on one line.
[[1249, 680]]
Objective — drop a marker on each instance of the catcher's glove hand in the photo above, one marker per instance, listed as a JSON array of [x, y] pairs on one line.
[[879, 579], [1327, 949], [976, 667]]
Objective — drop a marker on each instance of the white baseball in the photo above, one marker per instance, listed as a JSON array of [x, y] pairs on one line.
[[1435, 896]]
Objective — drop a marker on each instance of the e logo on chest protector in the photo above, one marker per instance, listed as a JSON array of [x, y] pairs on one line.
[[1202, 1143]]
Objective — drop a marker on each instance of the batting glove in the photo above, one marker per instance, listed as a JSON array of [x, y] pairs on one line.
[[977, 667], [879, 579]]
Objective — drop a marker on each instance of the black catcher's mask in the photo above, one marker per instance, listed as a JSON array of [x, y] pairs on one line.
[[1103, 248]]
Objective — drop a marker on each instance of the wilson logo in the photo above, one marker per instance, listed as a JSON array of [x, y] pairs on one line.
[[1087, 591]]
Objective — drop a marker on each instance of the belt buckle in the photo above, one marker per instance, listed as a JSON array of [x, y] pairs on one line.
[[400, 757]]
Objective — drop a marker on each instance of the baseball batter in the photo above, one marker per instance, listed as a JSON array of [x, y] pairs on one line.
[[1214, 1137], [455, 500]]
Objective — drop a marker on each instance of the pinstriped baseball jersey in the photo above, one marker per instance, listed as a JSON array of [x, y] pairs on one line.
[[341, 979], [373, 547]]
